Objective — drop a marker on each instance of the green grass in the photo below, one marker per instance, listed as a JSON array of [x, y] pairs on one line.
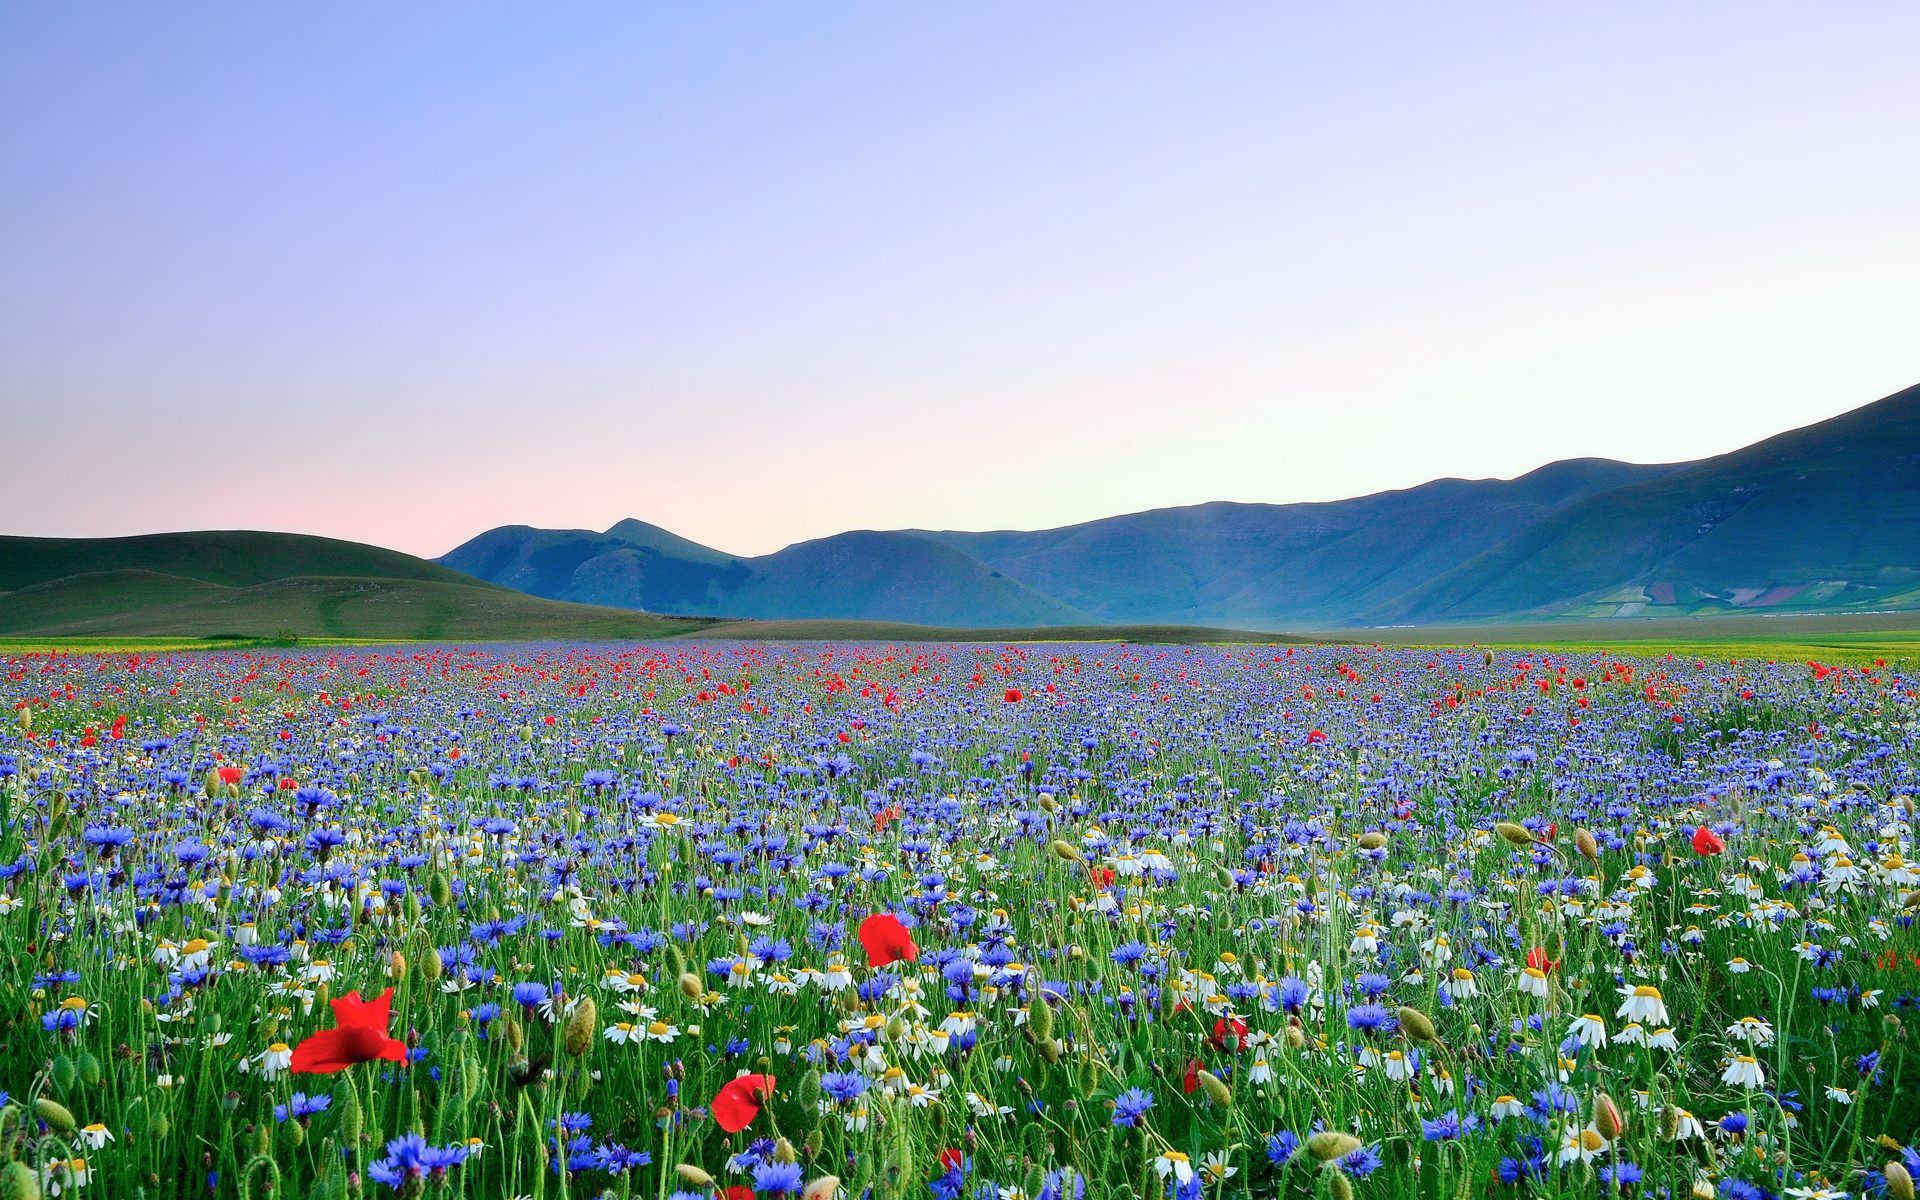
[[325, 608], [896, 631]]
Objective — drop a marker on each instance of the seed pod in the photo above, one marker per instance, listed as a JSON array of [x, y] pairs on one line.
[[1588, 846], [691, 987], [1417, 1025], [582, 1025], [17, 1180], [1216, 1089], [1330, 1144], [1608, 1120], [1372, 839], [1899, 1181], [1518, 836], [1063, 849], [58, 1116], [693, 1175]]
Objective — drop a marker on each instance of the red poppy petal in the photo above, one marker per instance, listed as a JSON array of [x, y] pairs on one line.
[[324, 1053]]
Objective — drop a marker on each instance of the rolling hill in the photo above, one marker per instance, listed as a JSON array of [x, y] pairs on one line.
[[264, 585], [1820, 519]]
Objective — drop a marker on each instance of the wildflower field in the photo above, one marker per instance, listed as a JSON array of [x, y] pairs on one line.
[[754, 920]]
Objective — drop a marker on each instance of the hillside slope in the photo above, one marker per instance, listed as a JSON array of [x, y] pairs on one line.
[[227, 584], [1824, 517], [1262, 564], [230, 557]]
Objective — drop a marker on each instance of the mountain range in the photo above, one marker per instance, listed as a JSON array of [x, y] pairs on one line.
[[1820, 519]]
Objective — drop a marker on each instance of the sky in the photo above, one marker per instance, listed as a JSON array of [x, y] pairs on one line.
[[762, 273]]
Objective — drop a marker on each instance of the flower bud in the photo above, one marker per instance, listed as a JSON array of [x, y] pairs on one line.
[[17, 1179], [582, 1025], [1587, 844], [1518, 836], [1216, 1088], [58, 1116], [694, 1175], [1607, 1117], [1330, 1144], [1417, 1025], [824, 1188], [1899, 1181], [346, 1102], [1064, 849]]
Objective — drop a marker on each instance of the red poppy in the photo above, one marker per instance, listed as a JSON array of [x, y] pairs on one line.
[[1222, 1029], [887, 940], [952, 1159], [1102, 876], [1538, 960], [1707, 843], [1316, 736], [1190, 1082], [1012, 696], [737, 1103], [359, 1035], [739, 1191], [231, 775]]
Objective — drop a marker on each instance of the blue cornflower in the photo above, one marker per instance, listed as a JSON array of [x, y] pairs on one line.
[[1130, 1105]]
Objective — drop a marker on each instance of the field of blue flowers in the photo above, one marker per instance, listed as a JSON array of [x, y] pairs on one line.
[[704, 920]]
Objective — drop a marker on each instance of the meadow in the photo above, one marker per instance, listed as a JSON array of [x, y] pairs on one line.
[[731, 919]]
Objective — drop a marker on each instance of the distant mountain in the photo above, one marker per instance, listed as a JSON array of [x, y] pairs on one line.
[[251, 584], [1822, 519], [905, 577]]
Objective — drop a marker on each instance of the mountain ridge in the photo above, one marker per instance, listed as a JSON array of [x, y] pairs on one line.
[[1821, 518]]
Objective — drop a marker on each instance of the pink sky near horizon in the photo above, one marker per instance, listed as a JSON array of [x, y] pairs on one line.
[[768, 274]]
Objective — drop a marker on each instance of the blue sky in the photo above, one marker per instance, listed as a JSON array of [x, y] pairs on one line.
[[404, 272]]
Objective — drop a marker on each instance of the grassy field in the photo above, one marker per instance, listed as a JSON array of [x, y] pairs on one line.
[[895, 631], [956, 923]]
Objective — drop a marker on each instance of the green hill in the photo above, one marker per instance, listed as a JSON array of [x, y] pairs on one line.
[[264, 585], [233, 558]]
